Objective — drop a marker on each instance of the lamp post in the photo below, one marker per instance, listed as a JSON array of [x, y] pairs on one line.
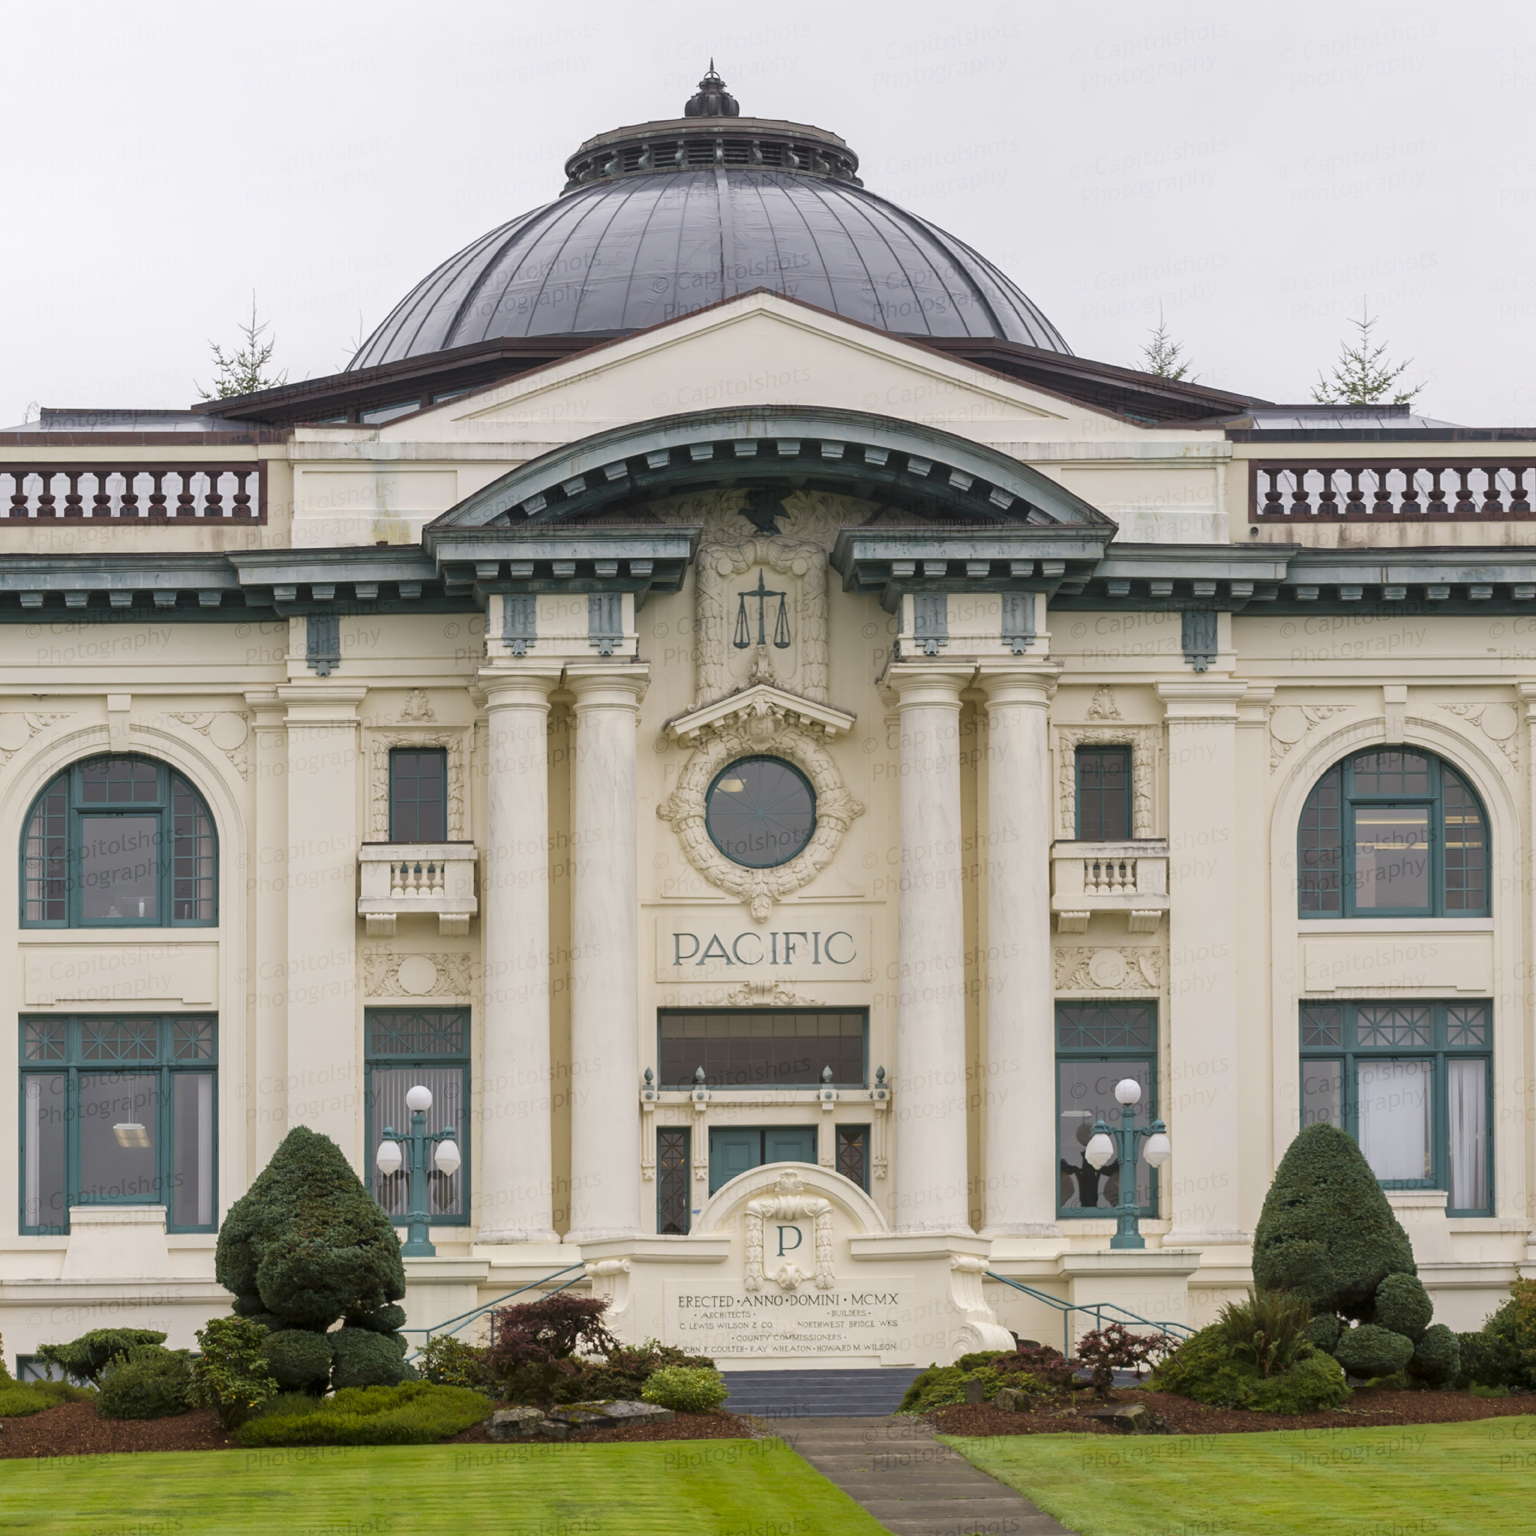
[[1101, 1149], [397, 1146]]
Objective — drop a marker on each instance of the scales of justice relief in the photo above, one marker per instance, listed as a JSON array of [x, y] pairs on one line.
[[743, 637]]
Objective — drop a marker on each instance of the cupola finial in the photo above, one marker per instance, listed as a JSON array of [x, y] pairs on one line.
[[712, 100]]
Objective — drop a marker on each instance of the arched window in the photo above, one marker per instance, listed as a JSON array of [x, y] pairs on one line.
[[119, 842], [1392, 833]]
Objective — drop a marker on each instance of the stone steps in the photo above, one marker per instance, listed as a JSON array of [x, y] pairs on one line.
[[802, 1394]]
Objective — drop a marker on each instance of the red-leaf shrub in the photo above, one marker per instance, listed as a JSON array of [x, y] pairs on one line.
[[532, 1344]]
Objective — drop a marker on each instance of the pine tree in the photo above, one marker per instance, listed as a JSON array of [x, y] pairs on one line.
[[241, 373], [1361, 376], [1162, 355]]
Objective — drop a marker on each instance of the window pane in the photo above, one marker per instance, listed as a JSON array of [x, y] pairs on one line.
[[1321, 1026], [119, 867], [119, 1137], [418, 1032], [418, 796], [192, 1202], [853, 1154], [672, 1180], [44, 1200], [192, 856], [1465, 848], [119, 781], [1103, 794], [1395, 1119], [1467, 1095], [1322, 1093], [747, 1048], [1467, 1024], [47, 857], [1408, 1024], [1319, 848], [1097, 1027], [387, 1088], [1086, 1093], [1391, 857], [1391, 773], [119, 1039]]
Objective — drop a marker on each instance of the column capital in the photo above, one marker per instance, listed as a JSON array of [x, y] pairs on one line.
[[1005, 682], [927, 684], [603, 685], [517, 687]]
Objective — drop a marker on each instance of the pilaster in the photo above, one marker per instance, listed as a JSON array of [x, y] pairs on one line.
[[266, 1104]]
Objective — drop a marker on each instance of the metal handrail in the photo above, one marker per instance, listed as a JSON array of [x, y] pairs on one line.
[[453, 1324], [1097, 1308]]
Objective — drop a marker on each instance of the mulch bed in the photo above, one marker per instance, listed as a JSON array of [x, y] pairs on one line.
[[685, 1426], [1369, 1405], [74, 1429]]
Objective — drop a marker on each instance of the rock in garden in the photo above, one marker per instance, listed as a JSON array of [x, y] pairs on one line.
[[1131, 1419], [628, 1412], [515, 1424]]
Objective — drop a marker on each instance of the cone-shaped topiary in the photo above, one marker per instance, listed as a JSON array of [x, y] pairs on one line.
[[307, 1242], [1403, 1305], [1327, 1231]]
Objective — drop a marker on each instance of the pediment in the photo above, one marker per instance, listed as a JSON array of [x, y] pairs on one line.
[[759, 702]]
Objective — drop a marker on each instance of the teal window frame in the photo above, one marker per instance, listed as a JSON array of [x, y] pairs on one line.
[[169, 783], [762, 1132], [1124, 1033], [68, 1045], [400, 807], [1310, 894], [454, 1053], [1093, 801], [664, 1176], [1330, 1033]]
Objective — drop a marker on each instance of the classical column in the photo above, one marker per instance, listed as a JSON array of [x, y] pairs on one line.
[[1018, 1082], [325, 1067], [931, 1193], [1201, 1181], [516, 1178], [605, 943]]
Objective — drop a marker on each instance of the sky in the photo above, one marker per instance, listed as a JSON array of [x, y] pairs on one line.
[[1251, 173]]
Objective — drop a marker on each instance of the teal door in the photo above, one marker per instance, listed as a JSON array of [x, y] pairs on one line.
[[734, 1151]]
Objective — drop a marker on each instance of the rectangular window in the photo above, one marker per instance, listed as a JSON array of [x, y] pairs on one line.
[[418, 795], [738, 1149], [853, 1154], [429, 1047], [119, 1110], [762, 1047], [1096, 1046], [1103, 794], [673, 1180], [1410, 1082]]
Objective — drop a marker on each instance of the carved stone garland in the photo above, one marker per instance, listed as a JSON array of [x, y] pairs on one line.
[[452, 741], [789, 1204], [760, 728], [1141, 739]]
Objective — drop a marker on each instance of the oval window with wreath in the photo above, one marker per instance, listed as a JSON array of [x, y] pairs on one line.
[[760, 812]]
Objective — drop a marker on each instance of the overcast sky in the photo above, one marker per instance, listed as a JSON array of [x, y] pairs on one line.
[[1256, 171]]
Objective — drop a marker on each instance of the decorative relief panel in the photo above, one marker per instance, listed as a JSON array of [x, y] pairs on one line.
[[1289, 724], [1141, 739], [453, 739], [386, 974], [227, 730], [1498, 722], [17, 729], [1083, 968]]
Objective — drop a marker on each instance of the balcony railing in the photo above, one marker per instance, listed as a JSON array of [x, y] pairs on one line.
[[156, 493], [1392, 491], [1127, 877], [424, 878]]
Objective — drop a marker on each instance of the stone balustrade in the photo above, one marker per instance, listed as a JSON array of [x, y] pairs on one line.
[[418, 877], [1129, 877]]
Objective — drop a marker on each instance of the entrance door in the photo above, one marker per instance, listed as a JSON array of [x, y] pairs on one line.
[[735, 1150]]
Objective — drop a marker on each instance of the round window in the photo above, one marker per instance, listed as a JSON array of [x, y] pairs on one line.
[[760, 811]]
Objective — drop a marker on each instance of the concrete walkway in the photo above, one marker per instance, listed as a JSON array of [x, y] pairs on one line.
[[909, 1482]]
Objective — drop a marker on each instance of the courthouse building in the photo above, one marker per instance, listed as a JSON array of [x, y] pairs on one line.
[[721, 694]]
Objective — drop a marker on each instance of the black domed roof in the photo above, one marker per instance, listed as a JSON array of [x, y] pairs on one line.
[[663, 219]]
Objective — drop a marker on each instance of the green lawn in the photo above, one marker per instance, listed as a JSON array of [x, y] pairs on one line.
[[1421, 1480], [663, 1488]]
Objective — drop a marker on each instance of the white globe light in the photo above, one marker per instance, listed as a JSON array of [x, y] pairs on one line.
[[1128, 1091], [447, 1158], [419, 1098], [1100, 1150], [389, 1158], [1158, 1150]]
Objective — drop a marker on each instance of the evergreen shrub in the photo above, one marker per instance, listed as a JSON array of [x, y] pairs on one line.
[[1436, 1358], [413, 1413], [364, 1358], [84, 1359], [1403, 1305], [148, 1383], [231, 1375], [299, 1360], [685, 1390], [1205, 1369], [21, 1399], [1367, 1351]]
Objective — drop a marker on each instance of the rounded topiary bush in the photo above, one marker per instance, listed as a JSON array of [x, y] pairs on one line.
[[1327, 1232], [1323, 1331], [149, 1383], [1369, 1351], [363, 1358], [1403, 1306], [299, 1359], [390, 1319], [1436, 1359], [686, 1390]]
